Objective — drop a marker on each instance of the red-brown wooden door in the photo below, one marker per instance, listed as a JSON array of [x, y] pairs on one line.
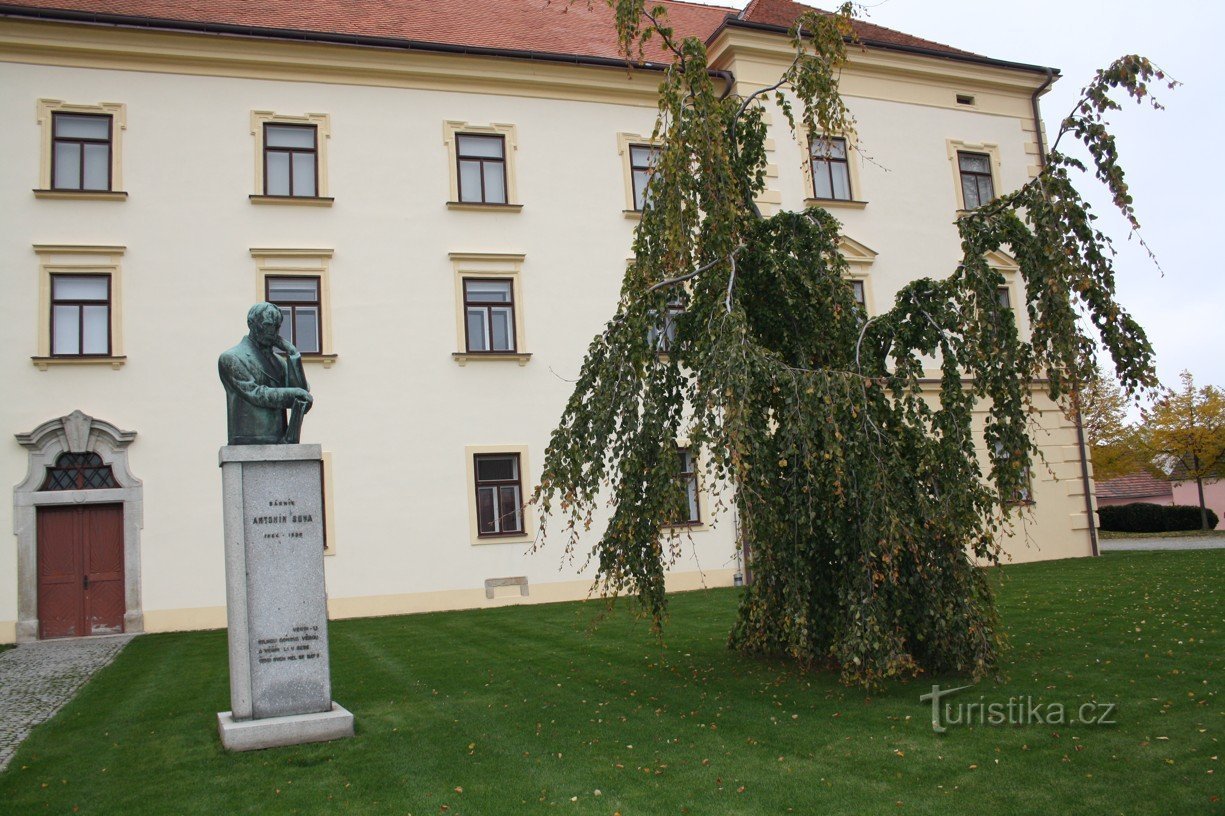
[[80, 570]]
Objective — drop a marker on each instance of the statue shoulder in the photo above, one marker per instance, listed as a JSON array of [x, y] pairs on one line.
[[236, 358]]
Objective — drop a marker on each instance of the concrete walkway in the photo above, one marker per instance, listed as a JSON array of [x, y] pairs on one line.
[[37, 679], [1187, 543]]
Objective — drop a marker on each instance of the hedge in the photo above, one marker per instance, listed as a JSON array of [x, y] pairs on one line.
[[1143, 517]]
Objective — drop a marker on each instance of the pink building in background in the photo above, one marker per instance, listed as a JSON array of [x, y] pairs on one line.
[[1136, 487], [1214, 495]]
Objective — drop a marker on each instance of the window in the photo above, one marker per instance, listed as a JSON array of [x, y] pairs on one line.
[[297, 281], [858, 292], [488, 308], [976, 186], [1024, 493], [489, 315], [291, 160], [291, 155], [499, 500], [482, 168], [80, 151], [689, 513], [298, 299], [80, 315], [79, 306], [642, 165], [1004, 297], [831, 176], [662, 335], [79, 471]]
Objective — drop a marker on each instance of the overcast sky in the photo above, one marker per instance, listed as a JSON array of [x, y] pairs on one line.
[[1173, 157]]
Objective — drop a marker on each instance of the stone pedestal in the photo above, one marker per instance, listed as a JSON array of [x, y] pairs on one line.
[[280, 682]]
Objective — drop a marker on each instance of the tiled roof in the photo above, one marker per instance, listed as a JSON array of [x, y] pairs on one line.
[[1134, 486], [560, 27], [783, 13], [546, 26]]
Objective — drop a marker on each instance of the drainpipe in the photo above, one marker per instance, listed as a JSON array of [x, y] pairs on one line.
[[1080, 427]]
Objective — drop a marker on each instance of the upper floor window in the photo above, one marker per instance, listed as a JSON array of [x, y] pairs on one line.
[[642, 164], [831, 175], [291, 160], [1004, 297], [300, 304], [499, 494], [481, 162], [80, 315], [489, 315], [976, 185], [81, 151]]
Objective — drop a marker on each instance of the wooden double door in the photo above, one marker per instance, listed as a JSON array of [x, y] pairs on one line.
[[80, 570]]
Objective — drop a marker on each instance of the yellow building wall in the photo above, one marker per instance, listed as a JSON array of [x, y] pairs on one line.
[[394, 410]]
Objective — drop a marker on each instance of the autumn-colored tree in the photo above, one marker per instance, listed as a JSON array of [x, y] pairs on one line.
[[1103, 412], [1184, 433], [864, 504]]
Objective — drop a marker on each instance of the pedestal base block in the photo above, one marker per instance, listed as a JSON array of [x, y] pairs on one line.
[[274, 732]]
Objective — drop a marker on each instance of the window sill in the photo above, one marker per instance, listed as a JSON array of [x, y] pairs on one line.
[[42, 363], [326, 360], [835, 203], [633, 215], [301, 201], [685, 527], [464, 357], [83, 195], [508, 538], [476, 206]]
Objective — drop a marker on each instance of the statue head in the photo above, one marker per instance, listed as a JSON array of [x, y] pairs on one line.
[[264, 322]]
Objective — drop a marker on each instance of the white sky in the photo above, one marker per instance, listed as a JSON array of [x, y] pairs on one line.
[[1172, 157]]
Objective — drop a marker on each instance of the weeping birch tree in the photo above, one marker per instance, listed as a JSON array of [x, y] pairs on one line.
[[859, 490]]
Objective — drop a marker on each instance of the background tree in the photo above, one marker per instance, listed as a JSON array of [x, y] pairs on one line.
[[865, 505], [1112, 440], [1184, 433]]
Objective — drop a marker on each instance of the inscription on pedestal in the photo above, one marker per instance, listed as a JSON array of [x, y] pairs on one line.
[[286, 604]]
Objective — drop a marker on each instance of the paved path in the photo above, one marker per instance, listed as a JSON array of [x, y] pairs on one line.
[[1188, 543], [37, 679]]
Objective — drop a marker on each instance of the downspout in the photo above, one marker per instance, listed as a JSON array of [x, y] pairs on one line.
[[1080, 426]]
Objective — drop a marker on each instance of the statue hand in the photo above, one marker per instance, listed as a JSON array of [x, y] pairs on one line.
[[302, 394], [285, 346]]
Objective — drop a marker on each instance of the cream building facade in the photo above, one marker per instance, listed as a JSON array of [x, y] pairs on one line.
[[128, 272]]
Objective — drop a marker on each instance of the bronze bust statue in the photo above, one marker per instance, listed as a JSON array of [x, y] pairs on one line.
[[260, 384]]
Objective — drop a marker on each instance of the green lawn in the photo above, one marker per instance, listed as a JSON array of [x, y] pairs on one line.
[[526, 710]]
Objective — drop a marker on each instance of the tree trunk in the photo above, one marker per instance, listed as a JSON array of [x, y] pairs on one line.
[[1203, 511]]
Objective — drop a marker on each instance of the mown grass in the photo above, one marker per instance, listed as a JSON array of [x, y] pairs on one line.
[[526, 710]]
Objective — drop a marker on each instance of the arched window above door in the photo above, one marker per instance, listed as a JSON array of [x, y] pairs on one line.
[[79, 471]]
